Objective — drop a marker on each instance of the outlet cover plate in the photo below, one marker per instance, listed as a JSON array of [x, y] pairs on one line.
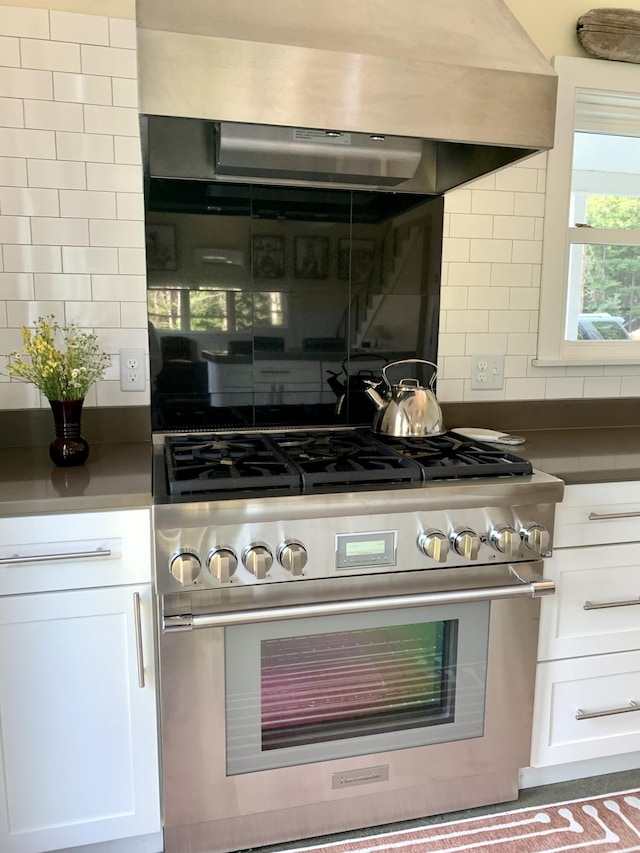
[[487, 372], [132, 376]]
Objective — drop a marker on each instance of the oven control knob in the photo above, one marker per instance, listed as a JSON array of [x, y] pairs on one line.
[[258, 560], [504, 539], [185, 567], [466, 542], [536, 538], [293, 556], [222, 563], [434, 544]]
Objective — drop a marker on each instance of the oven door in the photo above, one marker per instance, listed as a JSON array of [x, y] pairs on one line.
[[311, 707]]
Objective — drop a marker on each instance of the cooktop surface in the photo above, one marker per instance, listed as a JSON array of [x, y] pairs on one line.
[[204, 466]]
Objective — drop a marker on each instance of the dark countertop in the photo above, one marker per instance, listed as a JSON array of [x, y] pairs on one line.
[[116, 476], [598, 455]]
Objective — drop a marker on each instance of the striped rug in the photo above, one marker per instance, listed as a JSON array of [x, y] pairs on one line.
[[592, 825]]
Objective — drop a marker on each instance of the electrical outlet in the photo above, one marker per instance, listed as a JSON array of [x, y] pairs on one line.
[[487, 372], [132, 370]]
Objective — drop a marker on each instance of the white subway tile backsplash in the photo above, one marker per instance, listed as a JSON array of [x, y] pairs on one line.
[[115, 339], [89, 259], [89, 205], [60, 174], [75, 27], [515, 365], [116, 233], [130, 205], [133, 314], [467, 321], [122, 32], [489, 344], [483, 201], [16, 285], [132, 261], [521, 343], [527, 251], [127, 150], [514, 227], [97, 315], [528, 204], [11, 112], [24, 83], [488, 298], [525, 389], [584, 370], [490, 251], [10, 50], [511, 275], [116, 177], [15, 21], [28, 201], [468, 275], [450, 390], [119, 288], [81, 88], [524, 298], [456, 367], [109, 61], [3, 322], [19, 395], [65, 286], [53, 115], [564, 387], [451, 345], [15, 229], [16, 142], [110, 394], [454, 249], [469, 225], [125, 92], [454, 298], [472, 395], [121, 121], [517, 180], [84, 146], [630, 386], [31, 258], [26, 313], [13, 172], [458, 201], [49, 55], [509, 321], [56, 231]]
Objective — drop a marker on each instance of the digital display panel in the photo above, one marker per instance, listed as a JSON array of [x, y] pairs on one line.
[[365, 548]]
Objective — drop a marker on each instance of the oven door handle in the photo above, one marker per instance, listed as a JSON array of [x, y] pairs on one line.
[[189, 621]]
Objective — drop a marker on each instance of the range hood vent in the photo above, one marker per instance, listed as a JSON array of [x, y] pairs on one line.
[[404, 95]]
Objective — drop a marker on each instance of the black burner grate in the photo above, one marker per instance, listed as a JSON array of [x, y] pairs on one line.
[[228, 465]]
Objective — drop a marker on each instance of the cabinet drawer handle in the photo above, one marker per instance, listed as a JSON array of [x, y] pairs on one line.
[[139, 650], [589, 715], [45, 558], [600, 605], [607, 516]]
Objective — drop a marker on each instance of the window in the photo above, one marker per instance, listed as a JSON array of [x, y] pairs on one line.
[[590, 296], [181, 309]]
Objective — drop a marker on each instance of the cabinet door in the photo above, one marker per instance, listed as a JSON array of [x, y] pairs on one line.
[[596, 609], [78, 734]]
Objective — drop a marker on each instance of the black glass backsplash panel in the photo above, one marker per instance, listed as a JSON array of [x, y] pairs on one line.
[[272, 306]]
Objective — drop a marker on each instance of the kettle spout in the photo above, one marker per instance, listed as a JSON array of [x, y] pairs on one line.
[[379, 401]]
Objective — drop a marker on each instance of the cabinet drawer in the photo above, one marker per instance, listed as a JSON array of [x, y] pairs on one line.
[[54, 552], [597, 514], [288, 373], [606, 685], [592, 611]]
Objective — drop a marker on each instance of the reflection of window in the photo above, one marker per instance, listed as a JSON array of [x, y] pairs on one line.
[[590, 299], [176, 308]]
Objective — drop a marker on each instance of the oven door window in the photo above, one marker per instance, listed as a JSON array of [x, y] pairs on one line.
[[314, 689]]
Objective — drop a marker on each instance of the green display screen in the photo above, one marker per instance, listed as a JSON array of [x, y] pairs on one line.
[[365, 548]]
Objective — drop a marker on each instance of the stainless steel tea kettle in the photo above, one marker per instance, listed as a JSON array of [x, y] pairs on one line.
[[406, 409]]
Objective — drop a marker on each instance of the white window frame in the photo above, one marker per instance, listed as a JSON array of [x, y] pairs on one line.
[[553, 350]]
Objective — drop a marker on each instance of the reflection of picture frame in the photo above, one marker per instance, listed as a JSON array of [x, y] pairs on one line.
[[267, 256], [161, 247], [358, 258], [312, 257]]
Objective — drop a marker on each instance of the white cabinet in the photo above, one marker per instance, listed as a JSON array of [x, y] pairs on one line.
[[78, 733], [587, 702]]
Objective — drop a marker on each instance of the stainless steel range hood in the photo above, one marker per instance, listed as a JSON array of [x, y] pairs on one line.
[[405, 95]]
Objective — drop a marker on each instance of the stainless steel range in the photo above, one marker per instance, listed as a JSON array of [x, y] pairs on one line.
[[348, 629]]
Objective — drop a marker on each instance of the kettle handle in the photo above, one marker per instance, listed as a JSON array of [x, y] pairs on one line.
[[409, 361]]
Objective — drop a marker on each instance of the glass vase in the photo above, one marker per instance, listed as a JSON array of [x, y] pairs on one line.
[[68, 447]]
